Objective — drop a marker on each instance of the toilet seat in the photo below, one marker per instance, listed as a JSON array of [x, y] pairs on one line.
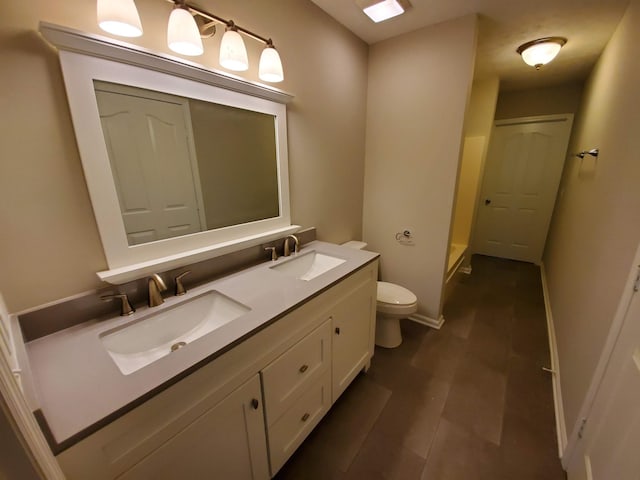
[[392, 294], [395, 300]]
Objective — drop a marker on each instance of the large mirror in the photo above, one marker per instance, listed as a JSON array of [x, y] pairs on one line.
[[182, 163], [183, 166]]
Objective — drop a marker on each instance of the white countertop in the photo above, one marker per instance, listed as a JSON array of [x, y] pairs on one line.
[[78, 384]]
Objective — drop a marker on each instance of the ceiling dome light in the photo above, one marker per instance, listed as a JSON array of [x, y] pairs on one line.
[[183, 35], [383, 10], [541, 51], [270, 68], [233, 53], [119, 17]]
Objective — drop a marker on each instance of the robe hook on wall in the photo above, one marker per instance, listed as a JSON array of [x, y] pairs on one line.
[[593, 152]]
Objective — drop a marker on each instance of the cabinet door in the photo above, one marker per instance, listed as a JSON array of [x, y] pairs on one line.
[[227, 442], [353, 321]]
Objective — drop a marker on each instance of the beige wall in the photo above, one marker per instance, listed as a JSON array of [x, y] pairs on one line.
[[419, 84], [596, 224], [481, 111], [539, 101], [477, 126], [49, 247]]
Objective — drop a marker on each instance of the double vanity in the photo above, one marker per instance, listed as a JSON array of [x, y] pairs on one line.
[[227, 380], [263, 355]]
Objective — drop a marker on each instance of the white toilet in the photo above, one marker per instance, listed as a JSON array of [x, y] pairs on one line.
[[394, 302]]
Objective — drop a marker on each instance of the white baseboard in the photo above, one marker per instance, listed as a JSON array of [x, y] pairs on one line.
[[561, 427], [428, 321]]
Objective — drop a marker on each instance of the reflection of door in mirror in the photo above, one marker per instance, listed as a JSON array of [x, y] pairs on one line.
[[150, 144]]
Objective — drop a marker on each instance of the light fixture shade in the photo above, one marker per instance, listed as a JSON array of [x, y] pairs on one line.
[[119, 17], [270, 68], [384, 10], [183, 35], [233, 53], [541, 51]]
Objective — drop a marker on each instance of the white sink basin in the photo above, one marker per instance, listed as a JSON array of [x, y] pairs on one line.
[[309, 265], [137, 344]]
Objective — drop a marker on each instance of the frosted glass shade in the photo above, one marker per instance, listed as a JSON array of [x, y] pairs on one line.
[[233, 53], [384, 10], [540, 52], [183, 36], [270, 68], [119, 17]]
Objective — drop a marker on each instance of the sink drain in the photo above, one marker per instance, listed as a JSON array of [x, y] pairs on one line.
[[177, 346]]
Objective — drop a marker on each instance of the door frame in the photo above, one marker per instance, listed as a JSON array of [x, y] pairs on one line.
[[569, 117], [27, 430], [574, 445]]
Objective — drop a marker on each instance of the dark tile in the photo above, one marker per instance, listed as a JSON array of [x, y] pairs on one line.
[[381, 457], [529, 449], [529, 393], [458, 318], [530, 338], [476, 399], [457, 454], [439, 354], [490, 341], [411, 415]]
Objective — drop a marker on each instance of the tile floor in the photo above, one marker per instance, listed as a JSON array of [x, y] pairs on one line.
[[469, 401]]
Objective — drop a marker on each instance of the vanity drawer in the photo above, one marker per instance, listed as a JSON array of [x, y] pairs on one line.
[[286, 435], [284, 379]]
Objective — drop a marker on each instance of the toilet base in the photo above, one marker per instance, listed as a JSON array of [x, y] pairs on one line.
[[388, 333]]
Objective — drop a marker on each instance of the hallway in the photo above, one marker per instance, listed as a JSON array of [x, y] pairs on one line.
[[469, 401]]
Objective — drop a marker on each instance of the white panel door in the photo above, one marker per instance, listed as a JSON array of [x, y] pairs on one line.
[[521, 179], [148, 141], [611, 436]]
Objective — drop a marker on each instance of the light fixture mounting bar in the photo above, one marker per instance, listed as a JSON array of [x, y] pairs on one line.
[[210, 16]]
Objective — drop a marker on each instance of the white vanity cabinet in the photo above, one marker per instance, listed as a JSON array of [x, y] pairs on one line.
[[228, 441], [353, 320], [243, 414]]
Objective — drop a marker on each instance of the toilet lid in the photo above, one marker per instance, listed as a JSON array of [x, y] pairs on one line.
[[395, 294]]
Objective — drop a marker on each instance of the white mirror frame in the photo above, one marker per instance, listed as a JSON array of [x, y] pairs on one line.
[[85, 58]]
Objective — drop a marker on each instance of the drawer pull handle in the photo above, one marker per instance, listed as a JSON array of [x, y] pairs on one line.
[[304, 368], [305, 417], [255, 403], [337, 330]]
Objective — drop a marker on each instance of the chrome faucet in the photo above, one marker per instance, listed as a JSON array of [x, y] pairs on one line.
[[156, 286], [287, 248]]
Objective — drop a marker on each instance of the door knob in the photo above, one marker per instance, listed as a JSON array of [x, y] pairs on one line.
[[487, 201]]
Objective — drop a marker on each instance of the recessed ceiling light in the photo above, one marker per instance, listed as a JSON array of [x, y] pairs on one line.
[[384, 10]]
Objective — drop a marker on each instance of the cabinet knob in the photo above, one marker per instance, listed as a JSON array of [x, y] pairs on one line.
[[304, 368], [255, 403], [337, 330], [305, 417]]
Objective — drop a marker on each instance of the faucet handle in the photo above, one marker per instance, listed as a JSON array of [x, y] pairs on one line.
[[274, 254], [180, 290], [125, 308]]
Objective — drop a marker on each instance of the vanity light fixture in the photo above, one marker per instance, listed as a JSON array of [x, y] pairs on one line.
[[183, 34], [185, 31], [381, 10], [541, 51], [233, 53], [119, 17]]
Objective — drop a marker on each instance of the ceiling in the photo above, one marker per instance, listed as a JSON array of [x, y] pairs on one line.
[[503, 26]]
